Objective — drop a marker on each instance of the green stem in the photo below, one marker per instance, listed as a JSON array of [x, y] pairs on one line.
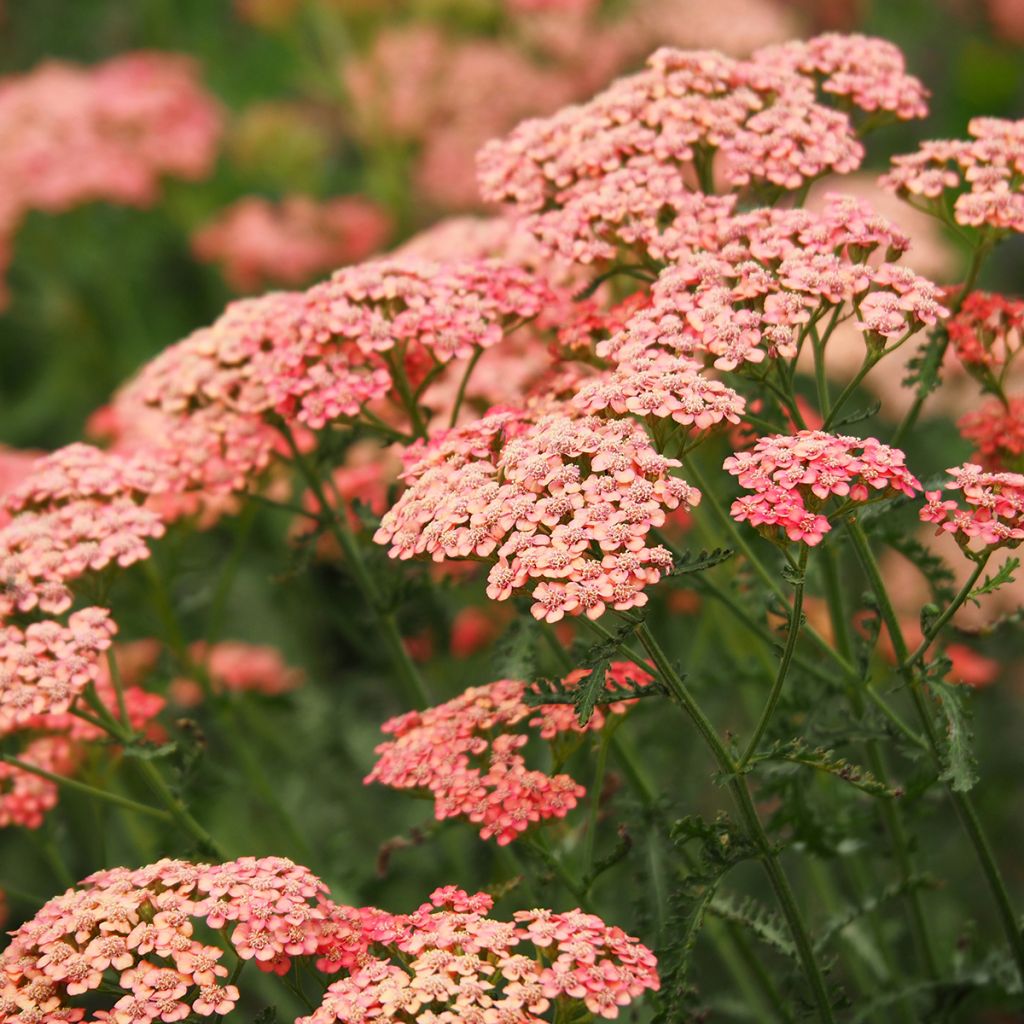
[[596, 788], [961, 801], [115, 678], [876, 763], [413, 684], [787, 657], [461, 394], [951, 609], [82, 787], [751, 822]]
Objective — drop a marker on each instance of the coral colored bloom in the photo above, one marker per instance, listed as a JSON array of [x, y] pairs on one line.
[[558, 503], [984, 173], [459, 964], [466, 754], [792, 477], [989, 510]]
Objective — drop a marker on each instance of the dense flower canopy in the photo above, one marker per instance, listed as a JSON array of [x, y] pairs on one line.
[[620, 169], [565, 506]]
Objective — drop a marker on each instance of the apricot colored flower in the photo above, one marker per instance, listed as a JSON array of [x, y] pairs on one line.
[[468, 754], [792, 477]]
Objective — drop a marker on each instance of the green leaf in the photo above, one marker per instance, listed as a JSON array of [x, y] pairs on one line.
[[959, 766], [824, 760], [856, 417], [515, 653], [764, 924], [268, 1015], [687, 562], [990, 584], [592, 689], [722, 846]]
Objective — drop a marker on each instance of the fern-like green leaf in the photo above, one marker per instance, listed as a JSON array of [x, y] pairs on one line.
[[823, 760], [764, 924], [990, 584], [689, 562], [959, 766]]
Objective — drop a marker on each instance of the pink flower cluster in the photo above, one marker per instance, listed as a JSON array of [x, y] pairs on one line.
[[994, 512], [78, 511], [204, 407], [467, 754], [54, 738], [133, 930], [996, 429], [753, 291], [869, 72], [792, 478], [236, 667], [987, 331], [258, 242], [452, 963], [987, 170], [71, 135], [121, 948], [620, 169], [26, 798], [45, 666], [564, 504]]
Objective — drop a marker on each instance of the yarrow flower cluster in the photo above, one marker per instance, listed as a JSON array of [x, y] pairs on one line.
[[793, 476], [452, 963], [54, 739], [128, 937], [989, 509], [236, 667], [78, 511], [206, 405], [25, 797], [260, 243], [71, 135], [986, 170], [987, 332], [748, 290], [45, 666], [134, 930], [996, 428], [619, 169], [467, 753], [564, 504]]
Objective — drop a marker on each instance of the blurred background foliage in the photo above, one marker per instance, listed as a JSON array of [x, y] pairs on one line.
[[99, 289]]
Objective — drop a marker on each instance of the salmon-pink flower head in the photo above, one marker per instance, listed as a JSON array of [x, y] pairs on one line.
[[746, 295], [560, 504], [468, 754], [237, 667], [663, 386], [985, 172], [997, 432], [259, 243], [45, 666], [452, 962], [870, 72], [78, 511], [792, 477], [133, 932], [25, 797], [619, 169], [987, 332], [989, 512], [71, 135]]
